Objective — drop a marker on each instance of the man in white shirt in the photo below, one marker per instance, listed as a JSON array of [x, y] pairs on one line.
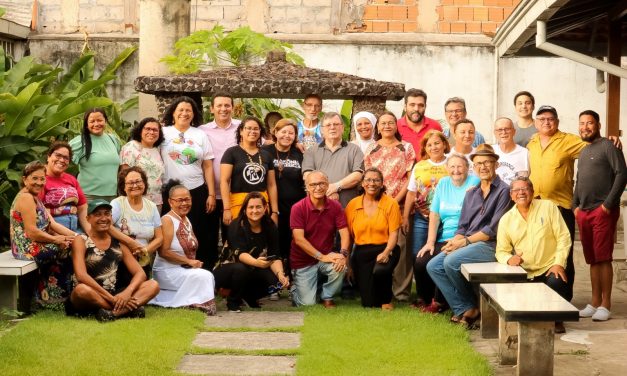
[[513, 158]]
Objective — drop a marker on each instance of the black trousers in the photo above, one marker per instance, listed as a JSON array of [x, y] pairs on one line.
[[216, 229], [426, 290], [569, 218], [556, 284], [285, 241], [245, 282], [374, 280], [201, 221]]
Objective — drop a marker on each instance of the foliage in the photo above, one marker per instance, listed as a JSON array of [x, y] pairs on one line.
[[346, 112], [208, 49], [40, 103], [205, 49]]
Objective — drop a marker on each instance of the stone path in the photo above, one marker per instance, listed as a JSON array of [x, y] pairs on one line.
[[241, 332]]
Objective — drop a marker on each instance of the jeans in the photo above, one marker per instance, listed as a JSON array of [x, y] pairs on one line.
[[69, 221], [445, 271], [419, 234], [306, 282]]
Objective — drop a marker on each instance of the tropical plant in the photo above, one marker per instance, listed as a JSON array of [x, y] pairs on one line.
[[39, 103], [210, 49]]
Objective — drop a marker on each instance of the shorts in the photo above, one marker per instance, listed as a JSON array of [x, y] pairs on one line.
[[596, 230]]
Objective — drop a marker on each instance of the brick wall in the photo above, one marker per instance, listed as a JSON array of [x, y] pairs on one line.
[[454, 16]]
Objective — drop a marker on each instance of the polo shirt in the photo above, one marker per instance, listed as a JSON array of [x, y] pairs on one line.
[[320, 227], [373, 229], [483, 214], [220, 139], [553, 168], [543, 237], [413, 137], [337, 164]]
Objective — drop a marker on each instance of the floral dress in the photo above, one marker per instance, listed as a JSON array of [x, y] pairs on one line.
[[102, 264], [54, 263], [149, 159], [394, 162]]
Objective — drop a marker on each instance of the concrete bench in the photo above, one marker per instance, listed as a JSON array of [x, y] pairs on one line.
[[12, 271], [491, 272], [534, 307]]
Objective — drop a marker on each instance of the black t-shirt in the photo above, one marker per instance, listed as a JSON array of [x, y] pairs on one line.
[[290, 185], [242, 240], [249, 171]]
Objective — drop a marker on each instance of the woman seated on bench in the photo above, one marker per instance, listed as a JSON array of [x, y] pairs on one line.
[[37, 237], [96, 257], [253, 267]]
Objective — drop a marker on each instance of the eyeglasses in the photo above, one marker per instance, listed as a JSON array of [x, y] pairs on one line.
[[484, 163], [455, 111], [384, 123], [250, 129], [182, 200], [134, 182], [516, 190], [151, 130], [329, 125], [503, 130], [61, 156], [372, 181], [322, 184], [546, 120]]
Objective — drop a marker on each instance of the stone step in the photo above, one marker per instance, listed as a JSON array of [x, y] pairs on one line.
[[237, 365], [261, 319], [248, 340]]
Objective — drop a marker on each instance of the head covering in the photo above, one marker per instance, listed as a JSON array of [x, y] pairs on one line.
[[97, 203], [546, 108], [484, 150], [363, 144]]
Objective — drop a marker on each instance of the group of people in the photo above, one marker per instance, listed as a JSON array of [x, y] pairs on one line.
[[243, 209]]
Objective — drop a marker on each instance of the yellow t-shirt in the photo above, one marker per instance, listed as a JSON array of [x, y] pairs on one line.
[[553, 168], [375, 229]]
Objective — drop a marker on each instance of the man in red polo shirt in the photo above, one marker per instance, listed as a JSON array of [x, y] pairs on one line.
[[415, 124]]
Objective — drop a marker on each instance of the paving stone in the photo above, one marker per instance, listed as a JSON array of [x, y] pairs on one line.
[[248, 340], [262, 319], [237, 365]]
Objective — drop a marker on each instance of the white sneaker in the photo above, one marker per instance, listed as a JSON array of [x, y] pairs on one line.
[[588, 311], [602, 314], [274, 296]]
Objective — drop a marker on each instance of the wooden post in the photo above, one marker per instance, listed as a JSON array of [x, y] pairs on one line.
[[613, 82]]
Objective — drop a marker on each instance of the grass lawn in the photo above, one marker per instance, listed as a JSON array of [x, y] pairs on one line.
[[349, 340]]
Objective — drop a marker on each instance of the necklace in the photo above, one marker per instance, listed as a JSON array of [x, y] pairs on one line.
[[250, 158], [281, 162], [184, 222]]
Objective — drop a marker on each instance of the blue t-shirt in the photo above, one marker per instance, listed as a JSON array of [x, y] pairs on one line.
[[447, 203]]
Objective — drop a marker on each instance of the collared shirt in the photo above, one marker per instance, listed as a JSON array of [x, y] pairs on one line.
[[542, 239], [413, 137], [376, 228], [319, 226], [337, 164], [220, 139], [483, 214], [601, 176], [553, 168]]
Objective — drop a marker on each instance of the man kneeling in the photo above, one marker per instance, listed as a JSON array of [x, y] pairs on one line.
[[534, 236], [96, 257]]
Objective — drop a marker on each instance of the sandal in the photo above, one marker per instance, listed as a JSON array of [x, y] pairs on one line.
[[470, 323], [455, 319]]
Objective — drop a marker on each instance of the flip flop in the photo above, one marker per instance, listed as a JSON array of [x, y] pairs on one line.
[[456, 319], [470, 323]]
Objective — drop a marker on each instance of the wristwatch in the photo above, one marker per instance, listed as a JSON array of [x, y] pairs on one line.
[[339, 187]]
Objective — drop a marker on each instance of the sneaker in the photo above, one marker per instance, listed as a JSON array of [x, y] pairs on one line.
[[589, 311], [274, 297], [138, 313], [602, 314], [104, 315]]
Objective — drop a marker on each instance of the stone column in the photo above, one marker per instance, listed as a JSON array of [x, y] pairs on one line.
[[161, 24]]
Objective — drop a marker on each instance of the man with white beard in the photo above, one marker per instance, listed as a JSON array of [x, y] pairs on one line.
[[309, 130]]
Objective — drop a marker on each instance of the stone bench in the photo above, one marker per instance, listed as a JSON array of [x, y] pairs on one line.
[[534, 307], [13, 271], [491, 272]]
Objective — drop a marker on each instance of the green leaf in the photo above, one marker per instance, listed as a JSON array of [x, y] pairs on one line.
[[20, 114], [118, 61], [19, 70], [73, 73], [65, 114]]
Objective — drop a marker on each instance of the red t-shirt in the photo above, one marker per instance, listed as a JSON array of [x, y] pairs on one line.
[[61, 193], [320, 227], [413, 137]]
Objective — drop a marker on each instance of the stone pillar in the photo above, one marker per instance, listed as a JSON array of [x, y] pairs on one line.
[[163, 100], [161, 24]]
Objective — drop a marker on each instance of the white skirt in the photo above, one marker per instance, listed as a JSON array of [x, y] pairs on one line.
[[181, 287]]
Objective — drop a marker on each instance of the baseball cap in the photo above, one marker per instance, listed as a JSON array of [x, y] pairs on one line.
[[546, 108], [97, 203]]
